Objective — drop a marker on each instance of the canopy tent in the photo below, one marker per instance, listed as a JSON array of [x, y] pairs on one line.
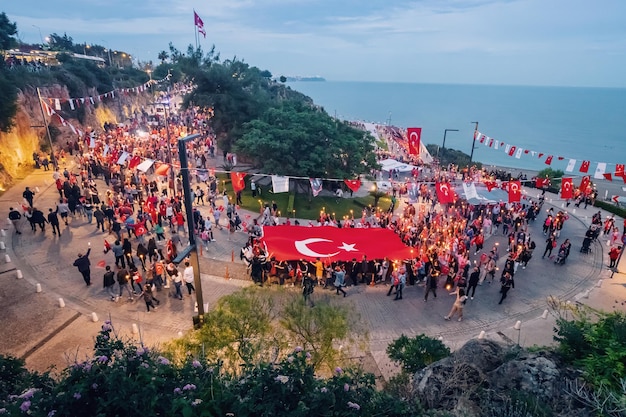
[[145, 165], [484, 196], [389, 164], [327, 242]]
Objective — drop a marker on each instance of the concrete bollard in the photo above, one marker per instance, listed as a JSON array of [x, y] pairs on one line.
[[599, 284], [562, 205], [586, 294], [180, 334], [2, 246], [195, 307], [481, 335], [37, 189], [18, 274], [61, 303], [574, 211], [94, 317], [38, 287], [3, 232], [7, 258], [518, 325], [135, 328], [545, 314]]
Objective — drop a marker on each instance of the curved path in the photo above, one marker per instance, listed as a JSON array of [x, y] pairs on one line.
[[35, 327]]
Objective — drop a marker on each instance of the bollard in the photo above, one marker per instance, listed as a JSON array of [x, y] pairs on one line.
[[232, 255], [562, 205], [481, 335], [2, 246], [3, 232], [574, 211], [61, 303], [38, 287], [180, 334], [545, 314], [7, 258], [518, 325], [37, 189], [206, 307], [599, 284], [94, 317], [195, 307], [18, 274], [226, 275], [135, 328], [586, 294]]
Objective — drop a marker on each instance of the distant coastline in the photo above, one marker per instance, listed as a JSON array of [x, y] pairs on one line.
[[304, 78]]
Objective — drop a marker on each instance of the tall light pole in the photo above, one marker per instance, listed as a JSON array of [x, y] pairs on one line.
[[192, 250], [108, 49], [40, 36], [473, 143], [445, 132]]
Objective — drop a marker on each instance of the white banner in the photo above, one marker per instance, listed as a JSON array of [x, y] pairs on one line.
[[280, 184], [518, 154], [470, 190], [600, 170], [570, 165]]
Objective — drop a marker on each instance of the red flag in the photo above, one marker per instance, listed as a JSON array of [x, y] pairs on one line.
[[584, 183], [619, 170], [354, 185], [134, 161], [445, 193], [540, 155], [567, 186], [199, 23], [561, 158], [490, 185], [608, 176], [512, 150], [549, 160], [515, 191], [584, 167], [101, 264], [542, 182], [482, 138], [162, 170], [414, 134], [237, 180], [490, 142], [336, 244]]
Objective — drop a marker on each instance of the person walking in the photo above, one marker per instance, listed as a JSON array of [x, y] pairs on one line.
[[178, 283], [148, 297], [472, 283], [188, 277], [83, 265], [123, 280], [307, 290], [38, 218], [506, 284], [15, 218], [550, 244], [99, 215], [614, 256], [118, 251], [458, 305], [53, 219], [28, 195], [340, 276], [109, 283], [431, 286], [401, 284]]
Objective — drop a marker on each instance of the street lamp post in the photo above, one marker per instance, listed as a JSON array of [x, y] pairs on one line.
[[192, 250], [445, 132], [169, 142], [108, 50], [473, 143], [40, 36]]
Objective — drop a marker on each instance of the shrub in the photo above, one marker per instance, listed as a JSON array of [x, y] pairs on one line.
[[416, 353]]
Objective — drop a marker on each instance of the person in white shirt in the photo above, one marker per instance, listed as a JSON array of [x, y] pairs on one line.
[[188, 277]]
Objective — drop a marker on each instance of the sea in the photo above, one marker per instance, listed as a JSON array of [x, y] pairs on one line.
[[565, 122]]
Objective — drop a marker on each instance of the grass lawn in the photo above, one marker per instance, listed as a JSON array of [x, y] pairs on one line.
[[305, 205]]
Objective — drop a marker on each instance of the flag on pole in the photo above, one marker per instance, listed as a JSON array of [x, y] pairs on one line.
[[199, 23], [515, 192], [549, 160], [414, 134], [567, 186], [584, 167]]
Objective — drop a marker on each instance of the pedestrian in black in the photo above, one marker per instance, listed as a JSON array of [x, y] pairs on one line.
[[38, 218], [15, 218], [83, 265], [99, 216], [431, 285], [473, 281], [506, 283], [28, 194], [307, 290], [53, 219], [109, 283], [550, 244]]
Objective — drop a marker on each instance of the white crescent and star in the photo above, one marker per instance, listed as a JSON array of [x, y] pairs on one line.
[[444, 188], [514, 187], [302, 246]]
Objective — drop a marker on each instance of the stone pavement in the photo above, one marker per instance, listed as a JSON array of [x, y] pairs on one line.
[[37, 328]]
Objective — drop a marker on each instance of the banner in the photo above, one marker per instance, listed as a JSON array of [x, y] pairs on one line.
[[414, 135], [237, 180], [316, 186], [584, 183], [134, 161], [470, 190], [549, 160], [280, 184], [567, 188], [334, 244], [413, 192], [354, 185], [122, 158], [600, 170], [515, 191], [570, 165], [542, 182], [584, 167], [619, 170], [445, 193]]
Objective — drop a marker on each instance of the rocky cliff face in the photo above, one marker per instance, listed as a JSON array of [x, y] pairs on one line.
[[485, 378]]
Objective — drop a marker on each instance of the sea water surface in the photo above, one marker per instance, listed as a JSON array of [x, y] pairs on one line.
[[567, 122]]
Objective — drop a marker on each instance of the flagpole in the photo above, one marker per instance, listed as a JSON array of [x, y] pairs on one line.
[[473, 143], [195, 29], [45, 122]]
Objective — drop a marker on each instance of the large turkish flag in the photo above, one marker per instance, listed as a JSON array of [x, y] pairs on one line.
[[414, 135], [335, 244], [236, 179], [445, 193], [567, 188], [515, 191]]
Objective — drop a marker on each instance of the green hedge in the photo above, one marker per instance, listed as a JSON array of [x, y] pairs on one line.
[[611, 208]]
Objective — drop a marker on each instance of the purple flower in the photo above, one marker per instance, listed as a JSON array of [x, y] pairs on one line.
[[196, 364], [77, 395], [141, 351], [346, 387], [52, 413], [145, 365], [103, 359], [94, 386], [298, 349], [163, 361], [28, 394], [106, 327], [178, 391], [324, 390], [189, 387], [86, 366], [308, 355], [290, 359], [25, 406], [338, 370], [354, 405], [197, 401]]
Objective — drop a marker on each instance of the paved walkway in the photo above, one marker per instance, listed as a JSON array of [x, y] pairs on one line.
[[37, 328]]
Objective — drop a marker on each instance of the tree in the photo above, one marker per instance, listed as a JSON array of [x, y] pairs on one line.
[[163, 55], [8, 104], [61, 43], [416, 353], [7, 32]]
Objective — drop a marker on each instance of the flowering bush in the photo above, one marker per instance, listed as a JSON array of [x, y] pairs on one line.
[[126, 380]]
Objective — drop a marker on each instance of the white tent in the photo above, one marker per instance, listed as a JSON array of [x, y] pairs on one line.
[[389, 164]]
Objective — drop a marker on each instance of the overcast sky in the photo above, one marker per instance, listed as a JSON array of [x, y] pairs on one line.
[[515, 42]]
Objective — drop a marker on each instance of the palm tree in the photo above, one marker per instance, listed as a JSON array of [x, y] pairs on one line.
[[163, 56]]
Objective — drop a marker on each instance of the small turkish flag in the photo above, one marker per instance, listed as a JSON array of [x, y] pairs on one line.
[[549, 160], [237, 181], [619, 170], [608, 176], [354, 185], [490, 185], [584, 167], [540, 155], [542, 182], [134, 161], [445, 193], [567, 191], [512, 150], [584, 183], [515, 191], [414, 134], [101, 264]]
